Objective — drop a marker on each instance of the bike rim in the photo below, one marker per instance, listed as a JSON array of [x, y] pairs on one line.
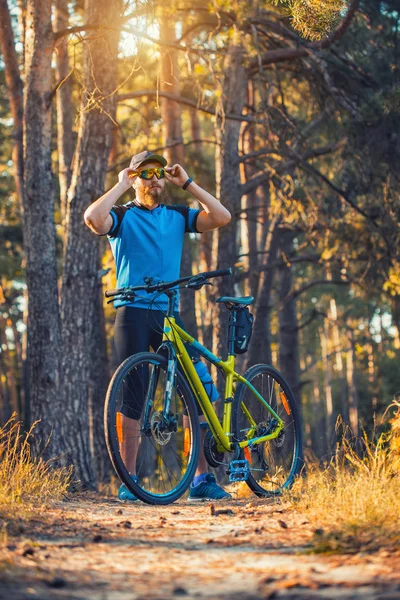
[[165, 443], [272, 463]]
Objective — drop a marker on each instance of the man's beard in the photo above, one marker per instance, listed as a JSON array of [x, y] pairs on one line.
[[149, 196]]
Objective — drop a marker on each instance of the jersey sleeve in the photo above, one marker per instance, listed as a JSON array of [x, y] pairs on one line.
[[191, 220], [117, 214]]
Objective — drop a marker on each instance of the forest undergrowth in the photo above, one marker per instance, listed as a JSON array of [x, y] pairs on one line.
[[354, 501], [26, 481]]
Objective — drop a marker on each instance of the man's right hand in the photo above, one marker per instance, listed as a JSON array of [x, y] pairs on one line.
[[123, 178], [97, 216]]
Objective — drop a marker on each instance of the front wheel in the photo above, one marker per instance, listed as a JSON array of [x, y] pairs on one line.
[[159, 446], [273, 464]]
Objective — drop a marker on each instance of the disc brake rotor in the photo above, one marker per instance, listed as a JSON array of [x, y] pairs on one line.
[[279, 441], [157, 425]]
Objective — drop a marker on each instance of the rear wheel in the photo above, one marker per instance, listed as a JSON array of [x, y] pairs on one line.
[[167, 445], [273, 464]]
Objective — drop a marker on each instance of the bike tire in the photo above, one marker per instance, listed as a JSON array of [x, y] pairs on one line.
[[283, 468], [183, 402]]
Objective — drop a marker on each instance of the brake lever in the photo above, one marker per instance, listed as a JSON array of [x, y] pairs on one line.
[[197, 283], [128, 296]]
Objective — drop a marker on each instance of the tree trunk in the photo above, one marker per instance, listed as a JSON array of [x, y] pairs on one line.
[[80, 277], [352, 388], [170, 110], [65, 142], [249, 205], [288, 327], [9, 399], [339, 360], [44, 340], [229, 190], [174, 153], [98, 381], [260, 345], [323, 333], [15, 93], [195, 129]]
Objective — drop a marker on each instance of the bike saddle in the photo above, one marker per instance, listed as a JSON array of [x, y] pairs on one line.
[[244, 300]]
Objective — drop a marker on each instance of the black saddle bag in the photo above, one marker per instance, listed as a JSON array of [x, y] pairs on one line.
[[243, 330]]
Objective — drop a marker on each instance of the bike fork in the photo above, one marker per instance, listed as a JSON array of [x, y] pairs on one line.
[[171, 371], [153, 380]]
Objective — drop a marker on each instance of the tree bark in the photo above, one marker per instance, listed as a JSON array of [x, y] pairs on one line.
[[352, 388], [260, 345], [80, 277], [323, 333], [249, 203], [98, 381], [339, 359], [229, 190], [174, 153], [288, 332], [65, 142], [170, 110], [44, 340], [15, 93]]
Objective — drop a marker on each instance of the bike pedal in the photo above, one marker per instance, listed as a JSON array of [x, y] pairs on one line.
[[239, 470]]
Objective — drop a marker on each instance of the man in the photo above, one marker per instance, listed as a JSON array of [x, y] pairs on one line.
[[146, 238]]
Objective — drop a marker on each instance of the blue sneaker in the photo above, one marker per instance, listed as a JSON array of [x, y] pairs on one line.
[[125, 495], [207, 489]]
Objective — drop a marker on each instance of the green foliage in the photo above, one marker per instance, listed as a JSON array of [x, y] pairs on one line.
[[313, 19]]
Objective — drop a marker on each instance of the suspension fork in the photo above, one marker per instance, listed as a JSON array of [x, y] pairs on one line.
[[171, 371], [149, 401]]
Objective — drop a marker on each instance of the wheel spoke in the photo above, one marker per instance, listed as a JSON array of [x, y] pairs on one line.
[[166, 451], [273, 464]]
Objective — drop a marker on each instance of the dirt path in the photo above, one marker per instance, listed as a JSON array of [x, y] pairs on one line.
[[97, 549]]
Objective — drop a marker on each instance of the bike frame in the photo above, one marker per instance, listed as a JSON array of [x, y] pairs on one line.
[[221, 432]]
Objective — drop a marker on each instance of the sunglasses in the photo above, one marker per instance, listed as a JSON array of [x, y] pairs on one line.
[[159, 172]]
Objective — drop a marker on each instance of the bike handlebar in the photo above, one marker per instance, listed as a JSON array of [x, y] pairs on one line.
[[163, 286]]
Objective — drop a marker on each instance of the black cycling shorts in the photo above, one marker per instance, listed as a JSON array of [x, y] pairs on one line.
[[136, 330]]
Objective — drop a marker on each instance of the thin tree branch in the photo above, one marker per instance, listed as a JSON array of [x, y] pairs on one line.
[[160, 148], [97, 26], [333, 187], [295, 293], [185, 101]]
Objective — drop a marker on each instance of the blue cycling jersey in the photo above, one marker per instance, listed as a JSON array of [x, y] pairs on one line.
[[149, 243]]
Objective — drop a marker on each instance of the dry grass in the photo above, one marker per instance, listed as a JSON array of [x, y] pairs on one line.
[[26, 481], [354, 502]]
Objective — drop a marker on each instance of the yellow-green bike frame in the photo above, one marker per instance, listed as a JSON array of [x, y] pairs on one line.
[[222, 432]]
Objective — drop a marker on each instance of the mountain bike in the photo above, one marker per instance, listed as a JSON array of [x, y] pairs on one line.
[[260, 429]]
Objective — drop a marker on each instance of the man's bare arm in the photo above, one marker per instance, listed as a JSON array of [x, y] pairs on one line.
[[97, 215], [213, 215]]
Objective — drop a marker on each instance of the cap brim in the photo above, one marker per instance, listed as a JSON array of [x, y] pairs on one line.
[[153, 157]]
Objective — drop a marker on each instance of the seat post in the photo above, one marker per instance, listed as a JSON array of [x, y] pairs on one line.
[[231, 333]]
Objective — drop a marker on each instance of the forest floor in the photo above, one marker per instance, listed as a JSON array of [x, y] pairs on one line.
[[91, 547]]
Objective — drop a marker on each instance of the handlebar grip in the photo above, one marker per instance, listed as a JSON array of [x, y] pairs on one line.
[[109, 293], [218, 273]]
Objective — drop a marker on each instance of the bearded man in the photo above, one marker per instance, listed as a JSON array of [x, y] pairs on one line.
[[146, 238]]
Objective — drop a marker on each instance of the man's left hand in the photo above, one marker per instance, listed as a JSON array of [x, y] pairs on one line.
[[176, 174]]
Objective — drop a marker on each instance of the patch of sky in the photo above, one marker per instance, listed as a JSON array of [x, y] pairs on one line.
[[381, 323]]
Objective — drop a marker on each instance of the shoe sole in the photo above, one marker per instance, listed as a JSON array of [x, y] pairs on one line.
[[208, 499], [127, 500]]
